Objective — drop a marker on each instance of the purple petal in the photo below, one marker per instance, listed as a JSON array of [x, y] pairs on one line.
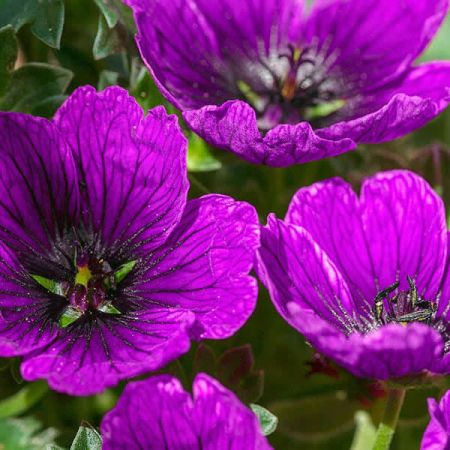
[[405, 225], [198, 50], [233, 126], [165, 416], [397, 229], [299, 275], [38, 183], [203, 267], [93, 355], [373, 42], [134, 168], [331, 213], [437, 433], [24, 309]]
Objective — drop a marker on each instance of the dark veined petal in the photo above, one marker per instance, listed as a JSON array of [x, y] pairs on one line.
[[300, 276], [25, 311], [369, 43], [198, 50], [437, 433], [38, 184], [158, 413], [91, 355], [397, 229], [132, 168], [203, 267], [233, 126]]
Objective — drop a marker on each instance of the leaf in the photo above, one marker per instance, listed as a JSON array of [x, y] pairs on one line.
[[106, 42], [365, 431], [124, 270], [33, 84], [45, 16], [109, 13], [87, 438], [25, 434], [199, 157], [146, 92], [267, 420], [23, 400], [50, 285], [69, 316], [107, 78], [8, 55]]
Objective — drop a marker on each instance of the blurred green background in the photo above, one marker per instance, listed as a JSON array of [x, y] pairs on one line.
[[316, 411]]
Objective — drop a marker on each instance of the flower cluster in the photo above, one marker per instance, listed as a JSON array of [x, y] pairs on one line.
[[108, 271]]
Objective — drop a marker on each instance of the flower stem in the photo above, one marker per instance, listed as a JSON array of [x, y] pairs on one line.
[[388, 424]]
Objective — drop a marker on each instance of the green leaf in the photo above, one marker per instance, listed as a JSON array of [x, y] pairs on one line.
[[23, 400], [69, 316], [87, 438], [109, 308], [199, 157], [109, 13], [45, 16], [107, 78], [365, 431], [49, 22], [25, 434], [8, 55], [33, 84], [267, 420], [144, 89], [106, 42], [124, 270], [50, 285]]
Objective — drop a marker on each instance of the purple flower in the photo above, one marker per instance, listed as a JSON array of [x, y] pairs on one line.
[[365, 279], [105, 271], [280, 85], [437, 434], [165, 416]]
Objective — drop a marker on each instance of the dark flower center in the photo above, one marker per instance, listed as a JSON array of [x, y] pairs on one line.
[[403, 307], [85, 282], [298, 88]]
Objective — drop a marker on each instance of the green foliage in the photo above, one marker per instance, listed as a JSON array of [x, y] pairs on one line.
[[25, 434], [267, 420], [23, 400], [45, 16], [87, 438]]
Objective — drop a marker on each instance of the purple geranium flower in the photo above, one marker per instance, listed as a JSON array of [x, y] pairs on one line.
[[105, 271], [280, 85], [165, 416], [365, 279], [437, 434]]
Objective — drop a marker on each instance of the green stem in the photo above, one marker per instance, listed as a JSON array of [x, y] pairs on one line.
[[23, 400], [388, 424]]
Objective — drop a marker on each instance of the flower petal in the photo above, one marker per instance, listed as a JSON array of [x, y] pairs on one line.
[[24, 309], [300, 275], [203, 267], [370, 43], [233, 127], [397, 229], [133, 168], [437, 433], [405, 225], [331, 213], [92, 355], [198, 50], [165, 416], [38, 184]]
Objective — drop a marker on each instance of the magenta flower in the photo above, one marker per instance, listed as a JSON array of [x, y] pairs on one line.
[[364, 279], [277, 84], [106, 271], [437, 434], [164, 416]]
